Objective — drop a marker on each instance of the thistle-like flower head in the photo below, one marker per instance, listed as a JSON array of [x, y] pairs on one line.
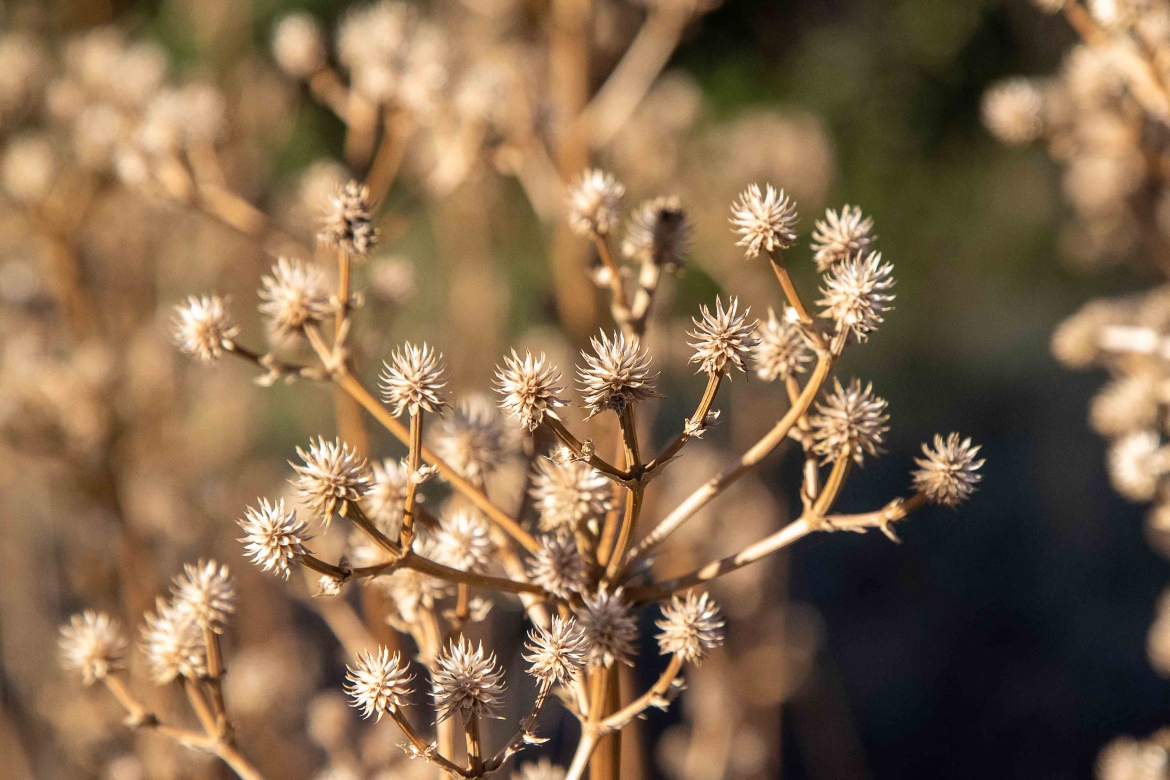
[[293, 295], [1013, 111], [413, 379], [273, 537], [781, 351], [948, 473], [569, 493], [1134, 467], [207, 592], [857, 294], [471, 438], [851, 423], [298, 45], [332, 474], [467, 680], [557, 653], [840, 236], [346, 223], [528, 386], [658, 233], [92, 643], [723, 337], [203, 328], [691, 627], [764, 220], [610, 627], [386, 498], [463, 542], [594, 202], [544, 769], [557, 566], [172, 643], [378, 683], [616, 375]]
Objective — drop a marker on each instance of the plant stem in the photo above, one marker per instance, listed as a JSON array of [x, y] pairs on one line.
[[406, 539]]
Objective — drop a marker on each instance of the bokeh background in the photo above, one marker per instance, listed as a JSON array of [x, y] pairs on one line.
[[1004, 640]]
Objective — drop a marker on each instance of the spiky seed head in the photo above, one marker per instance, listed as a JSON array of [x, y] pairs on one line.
[[840, 236], [471, 438], [691, 627], [346, 223], [594, 203], [92, 643], [207, 592], [1125, 404], [658, 233], [857, 294], [172, 643], [723, 337], [293, 295], [203, 327], [1126, 758], [569, 493], [331, 475], [378, 683], [528, 386], [948, 472], [557, 566], [1134, 466], [298, 46], [1013, 111], [467, 680], [413, 379], [852, 422], [543, 769], [273, 537], [782, 350], [610, 627], [764, 220], [464, 542], [616, 375], [557, 653], [386, 498]]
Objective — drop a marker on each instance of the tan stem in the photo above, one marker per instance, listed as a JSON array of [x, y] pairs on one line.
[[790, 291], [406, 538], [620, 302], [575, 446], [422, 746], [199, 704], [696, 420], [622, 717], [471, 731]]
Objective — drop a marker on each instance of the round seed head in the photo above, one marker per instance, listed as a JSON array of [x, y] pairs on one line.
[[1134, 466], [386, 498], [948, 473], [293, 295], [528, 386], [840, 236], [569, 493], [857, 294], [781, 350], [471, 439], [616, 375], [594, 203], [203, 328], [852, 422], [690, 627], [273, 538], [346, 223], [557, 566], [557, 653], [205, 591], [378, 683], [658, 233], [413, 379], [464, 542], [298, 46], [331, 474], [764, 220], [723, 337], [92, 643], [1013, 111], [610, 627], [467, 680], [543, 769], [172, 643]]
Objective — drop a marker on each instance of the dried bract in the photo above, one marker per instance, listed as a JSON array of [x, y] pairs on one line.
[[557, 566], [569, 493], [206, 592], [463, 542], [173, 644], [293, 295]]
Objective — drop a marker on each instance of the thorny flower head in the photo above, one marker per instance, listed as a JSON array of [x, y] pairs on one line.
[[273, 538], [691, 627], [378, 683], [347, 220], [528, 386], [203, 327], [332, 474], [293, 295], [840, 236], [1125, 404], [723, 337], [471, 438], [412, 380], [298, 45], [1126, 758], [544, 769], [1013, 111], [569, 493], [557, 653], [386, 498], [610, 627], [557, 566], [658, 233], [617, 375], [1135, 467], [781, 350], [207, 593], [467, 680], [851, 423], [594, 200], [92, 643], [764, 220], [857, 294], [947, 474], [463, 542], [172, 643]]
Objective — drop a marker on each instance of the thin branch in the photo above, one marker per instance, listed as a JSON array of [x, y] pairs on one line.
[[651, 698], [693, 427]]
